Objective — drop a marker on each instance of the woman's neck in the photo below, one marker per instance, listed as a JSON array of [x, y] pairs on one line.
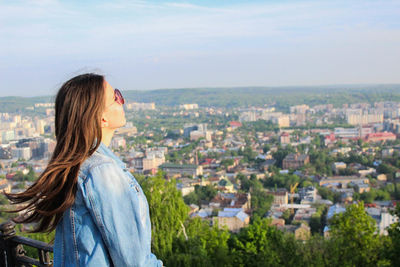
[[107, 135]]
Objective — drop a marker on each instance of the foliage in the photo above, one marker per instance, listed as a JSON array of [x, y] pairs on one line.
[[353, 239], [328, 194], [44, 237], [204, 246], [372, 195], [263, 244], [168, 212], [394, 234], [200, 193], [281, 153], [282, 180]]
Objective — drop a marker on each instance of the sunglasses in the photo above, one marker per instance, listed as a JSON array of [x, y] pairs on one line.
[[118, 97]]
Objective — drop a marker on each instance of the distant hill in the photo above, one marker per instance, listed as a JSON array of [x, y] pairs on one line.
[[282, 97], [18, 104]]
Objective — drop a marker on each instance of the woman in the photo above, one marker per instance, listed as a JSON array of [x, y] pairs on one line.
[[98, 209]]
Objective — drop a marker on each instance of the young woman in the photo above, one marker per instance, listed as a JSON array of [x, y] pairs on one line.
[[98, 209]]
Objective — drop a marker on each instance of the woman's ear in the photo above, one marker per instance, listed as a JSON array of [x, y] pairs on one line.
[[104, 122]]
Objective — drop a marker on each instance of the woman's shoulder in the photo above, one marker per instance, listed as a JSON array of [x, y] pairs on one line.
[[95, 160]]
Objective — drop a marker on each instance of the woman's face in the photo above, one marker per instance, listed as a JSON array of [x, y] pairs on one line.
[[113, 114]]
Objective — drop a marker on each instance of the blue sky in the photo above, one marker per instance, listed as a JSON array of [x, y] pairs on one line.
[[186, 44]]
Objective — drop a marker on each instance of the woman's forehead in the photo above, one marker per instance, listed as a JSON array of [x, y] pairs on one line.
[[109, 91]]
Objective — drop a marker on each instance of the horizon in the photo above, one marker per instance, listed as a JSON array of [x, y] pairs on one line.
[[322, 86], [156, 45]]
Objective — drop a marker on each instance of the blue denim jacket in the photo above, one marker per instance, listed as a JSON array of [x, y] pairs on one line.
[[109, 223]]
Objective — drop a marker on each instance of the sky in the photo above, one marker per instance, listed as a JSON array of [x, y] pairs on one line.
[[141, 45]]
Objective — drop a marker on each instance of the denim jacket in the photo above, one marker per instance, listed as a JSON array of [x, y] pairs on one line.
[[109, 223]]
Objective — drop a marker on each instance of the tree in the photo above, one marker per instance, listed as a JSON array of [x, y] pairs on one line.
[[200, 194], [394, 235], [227, 162], [266, 148], [261, 244], [257, 244], [260, 202], [353, 239], [202, 246], [281, 153], [168, 212]]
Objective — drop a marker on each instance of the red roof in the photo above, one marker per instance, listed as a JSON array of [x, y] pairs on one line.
[[207, 161], [330, 137], [235, 124], [383, 134], [10, 175]]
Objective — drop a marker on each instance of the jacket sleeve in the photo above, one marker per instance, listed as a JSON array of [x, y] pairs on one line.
[[114, 203]]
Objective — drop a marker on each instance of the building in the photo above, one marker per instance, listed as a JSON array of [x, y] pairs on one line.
[[248, 116], [39, 147], [282, 121], [225, 185], [231, 200], [346, 132], [5, 186], [21, 153], [381, 177], [334, 209], [337, 166], [128, 130], [140, 106], [189, 106], [362, 119], [7, 135], [5, 153], [280, 197], [298, 119], [185, 188], [385, 220], [232, 218], [148, 163], [329, 139], [342, 181], [295, 161], [195, 135], [304, 214], [301, 232], [284, 138], [299, 109], [384, 136], [182, 169], [307, 195], [117, 142], [235, 124], [188, 128], [360, 187]]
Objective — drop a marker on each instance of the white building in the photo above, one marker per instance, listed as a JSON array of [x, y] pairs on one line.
[[21, 153]]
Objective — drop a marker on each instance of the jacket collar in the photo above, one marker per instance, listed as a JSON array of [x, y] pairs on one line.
[[103, 149]]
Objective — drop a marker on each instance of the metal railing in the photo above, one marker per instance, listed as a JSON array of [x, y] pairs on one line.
[[12, 253]]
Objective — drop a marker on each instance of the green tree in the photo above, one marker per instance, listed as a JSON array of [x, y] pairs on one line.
[[257, 244], [261, 244], [394, 235], [168, 212], [200, 194], [353, 239]]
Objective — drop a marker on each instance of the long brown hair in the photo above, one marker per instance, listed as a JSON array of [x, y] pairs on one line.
[[78, 108]]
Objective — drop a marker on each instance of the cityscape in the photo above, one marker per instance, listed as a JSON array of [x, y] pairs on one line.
[[296, 167]]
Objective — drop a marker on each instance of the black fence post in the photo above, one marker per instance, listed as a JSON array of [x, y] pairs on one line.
[[8, 248]]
